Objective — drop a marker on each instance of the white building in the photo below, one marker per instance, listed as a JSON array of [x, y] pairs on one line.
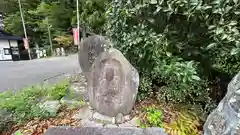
[[9, 46]]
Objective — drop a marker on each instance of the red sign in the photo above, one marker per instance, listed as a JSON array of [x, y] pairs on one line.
[[26, 44], [76, 36]]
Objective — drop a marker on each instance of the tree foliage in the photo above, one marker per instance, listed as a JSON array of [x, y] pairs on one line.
[[178, 42], [59, 15]]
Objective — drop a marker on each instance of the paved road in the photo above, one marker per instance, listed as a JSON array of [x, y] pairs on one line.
[[16, 75]]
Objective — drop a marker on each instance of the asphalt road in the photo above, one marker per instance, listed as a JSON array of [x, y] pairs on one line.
[[20, 74]]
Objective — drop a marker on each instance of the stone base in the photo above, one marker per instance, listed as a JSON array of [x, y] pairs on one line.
[[104, 131], [90, 118]]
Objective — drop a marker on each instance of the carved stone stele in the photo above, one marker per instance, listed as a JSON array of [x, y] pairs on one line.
[[113, 84]]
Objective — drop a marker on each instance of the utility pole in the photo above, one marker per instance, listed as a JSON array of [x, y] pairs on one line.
[[49, 36], [24, 28], [78, 26]]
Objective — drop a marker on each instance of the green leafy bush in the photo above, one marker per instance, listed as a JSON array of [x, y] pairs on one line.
[[145, 88], [154, 118], [23, 104], [57, 91], [151, 52], [177, 43]]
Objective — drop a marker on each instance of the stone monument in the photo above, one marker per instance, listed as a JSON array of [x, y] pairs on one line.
[[225, 120], [113, 84], [89, 49]]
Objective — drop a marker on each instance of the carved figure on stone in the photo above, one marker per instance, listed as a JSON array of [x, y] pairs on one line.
[[90, 48], [225, 119], [113, 84]]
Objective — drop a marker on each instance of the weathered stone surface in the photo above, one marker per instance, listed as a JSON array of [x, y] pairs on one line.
[[104, 131], [119, 118], [103, 118], [83, 113], [225, 119], [113, 84], [51, 107], [90, 48], [127, 118]]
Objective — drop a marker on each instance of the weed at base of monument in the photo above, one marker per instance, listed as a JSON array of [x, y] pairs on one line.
[[58, 91], [153, 118], [18, 133], [187, 123]]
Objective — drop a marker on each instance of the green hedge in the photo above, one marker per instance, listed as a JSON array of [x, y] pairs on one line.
[[177, 43]]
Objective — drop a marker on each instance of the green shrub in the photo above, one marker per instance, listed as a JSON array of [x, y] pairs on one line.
[[174, 42], [23, 103], [57, 91], [152, 53], [154, 118], [145, 88], [187, 123]]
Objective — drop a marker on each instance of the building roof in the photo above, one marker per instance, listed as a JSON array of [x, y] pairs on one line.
[[7, 36]]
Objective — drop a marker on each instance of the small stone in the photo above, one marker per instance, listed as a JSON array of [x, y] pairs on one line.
[[232, 100], [127, 118], [105, 119], [51, 106], [119, 118], [83, 113]]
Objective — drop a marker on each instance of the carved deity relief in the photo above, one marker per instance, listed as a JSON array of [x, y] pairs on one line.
[[110, 81], [113, 84]]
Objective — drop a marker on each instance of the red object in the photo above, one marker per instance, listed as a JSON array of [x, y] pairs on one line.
[[75, 36], [26, 44]]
